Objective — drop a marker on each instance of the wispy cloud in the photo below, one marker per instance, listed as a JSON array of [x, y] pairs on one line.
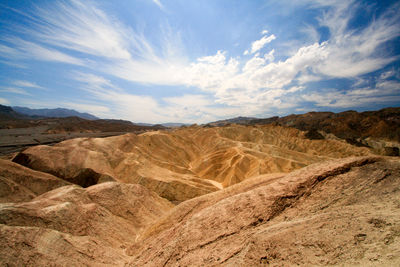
[[158, 3], [264, 82], [14, 90], [17, 87], [383, 90], [257, 45], [70, 32], [93, 108], [26, 84], [23, 49], [81, 26], [13, 63]]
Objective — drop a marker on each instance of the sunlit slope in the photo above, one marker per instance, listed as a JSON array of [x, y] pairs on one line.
[[341, 212], [75, 226], [186, 162]]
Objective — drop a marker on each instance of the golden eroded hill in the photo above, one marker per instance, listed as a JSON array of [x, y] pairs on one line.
[[342, 212], [186, 162], [337, 212], [18, 183], [75, 226]]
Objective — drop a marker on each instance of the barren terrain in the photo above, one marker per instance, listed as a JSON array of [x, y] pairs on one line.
[[379, 130], [187, 162], [198, 196]]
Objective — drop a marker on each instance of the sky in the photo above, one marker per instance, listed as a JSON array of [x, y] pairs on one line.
[[191, 61]]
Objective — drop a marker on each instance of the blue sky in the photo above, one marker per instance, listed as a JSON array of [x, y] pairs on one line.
[[198, 61]]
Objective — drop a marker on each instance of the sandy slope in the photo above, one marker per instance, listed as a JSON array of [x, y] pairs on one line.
[[338, 212], [73, 226], [18, 183], [246, 196], [184, 163], [343, 212]]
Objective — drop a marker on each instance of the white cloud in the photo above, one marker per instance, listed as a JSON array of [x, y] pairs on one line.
[[311, 32], [248, 85], [14, 90], [94, 109], [95, 83], [211, 73], [26, 84], [295, 89], [9, 52], [4, 101], [259, 44], [345, 100], [158, 3], [29, 50], [306, 77], [388, 87], [383, 91], [270, 56], [388, 74], [263, 32], [81, 26], [352, 53], [188, 101], [13, 64], [187, 108]]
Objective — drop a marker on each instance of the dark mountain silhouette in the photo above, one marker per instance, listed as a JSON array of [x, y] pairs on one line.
[[54, 113], [7, 112]]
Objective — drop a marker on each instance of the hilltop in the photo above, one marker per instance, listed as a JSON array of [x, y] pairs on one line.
[[379, 130]]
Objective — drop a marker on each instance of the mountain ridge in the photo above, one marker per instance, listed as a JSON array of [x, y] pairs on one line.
[[350, 125], [54, 112]]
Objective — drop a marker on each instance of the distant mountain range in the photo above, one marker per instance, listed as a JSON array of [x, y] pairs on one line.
[[54, 113], [7, 112], [10, 119], [23, 112]]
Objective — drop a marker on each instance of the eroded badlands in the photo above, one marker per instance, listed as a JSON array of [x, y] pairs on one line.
[[195, 196]]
